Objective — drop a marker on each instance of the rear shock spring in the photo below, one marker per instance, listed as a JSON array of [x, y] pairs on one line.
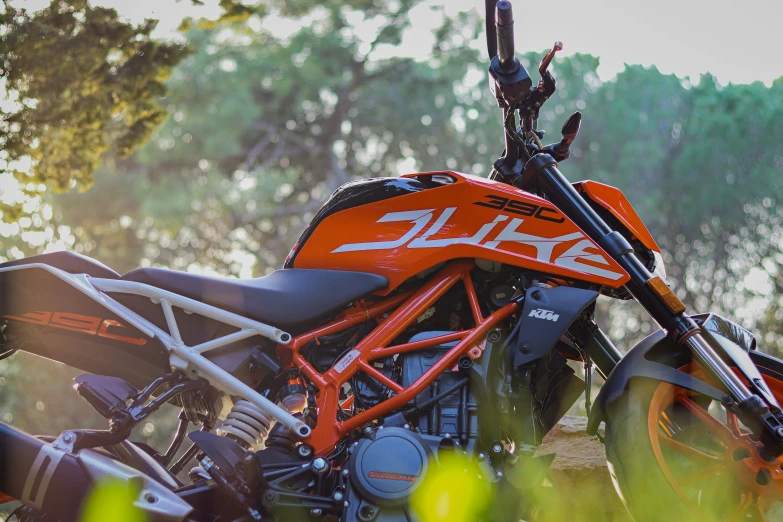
[[246, 424]]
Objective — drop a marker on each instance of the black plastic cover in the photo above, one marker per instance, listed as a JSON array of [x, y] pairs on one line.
[[387, 467], [224, 452], [546, 315], [36, 289], [715, 325], [656, 357], [105, 394]]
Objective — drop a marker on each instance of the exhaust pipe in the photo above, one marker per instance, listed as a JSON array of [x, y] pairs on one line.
[[41, 476], [54, 481]]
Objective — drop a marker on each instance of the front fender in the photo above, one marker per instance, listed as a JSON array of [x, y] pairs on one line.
[[655, 357]]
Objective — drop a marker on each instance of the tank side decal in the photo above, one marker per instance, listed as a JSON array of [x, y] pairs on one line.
[[476, 239], [419, 218], [469, 218], [572, 258]]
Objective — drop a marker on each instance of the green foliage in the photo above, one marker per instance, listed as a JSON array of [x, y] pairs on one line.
[[264, 128], [82, 82]]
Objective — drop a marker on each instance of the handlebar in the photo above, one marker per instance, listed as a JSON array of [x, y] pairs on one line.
[[504, 21]]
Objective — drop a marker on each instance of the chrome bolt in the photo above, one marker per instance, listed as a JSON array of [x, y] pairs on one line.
[[499, 474], [68, 437], [315, 512], [319, 465], [338, 496], [304, 450], [407, 426], [345, 473], [150, 498], [497, 448], [482, 456], [346, 504]]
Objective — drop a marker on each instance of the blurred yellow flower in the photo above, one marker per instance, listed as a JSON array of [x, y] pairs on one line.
[[453, 490], [112, 501]]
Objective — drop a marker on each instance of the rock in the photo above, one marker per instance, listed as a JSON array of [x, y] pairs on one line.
[[582, 489]]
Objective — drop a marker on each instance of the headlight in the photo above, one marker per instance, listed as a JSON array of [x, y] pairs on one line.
[[660, 268]]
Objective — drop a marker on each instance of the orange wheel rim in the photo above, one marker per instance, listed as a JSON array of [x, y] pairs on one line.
[[732, 455]]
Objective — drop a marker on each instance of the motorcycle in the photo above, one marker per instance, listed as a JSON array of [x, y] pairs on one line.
[[417, 317]]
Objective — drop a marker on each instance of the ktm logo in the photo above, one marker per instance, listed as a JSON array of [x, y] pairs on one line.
[[78, 323], [391, 476], [581, 250], [540, 313]]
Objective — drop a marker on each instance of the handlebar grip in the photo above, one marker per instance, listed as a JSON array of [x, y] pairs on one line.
[[504, 21]]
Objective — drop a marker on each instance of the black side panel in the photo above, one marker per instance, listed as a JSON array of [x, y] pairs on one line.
[[70, 262], [196, 329], [546, 315], [55, 320], [354, 194]]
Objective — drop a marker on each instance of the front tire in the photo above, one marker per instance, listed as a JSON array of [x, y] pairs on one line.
[[674, 455]]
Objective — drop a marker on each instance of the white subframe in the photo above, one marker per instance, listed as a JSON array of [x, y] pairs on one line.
[[188, 359]]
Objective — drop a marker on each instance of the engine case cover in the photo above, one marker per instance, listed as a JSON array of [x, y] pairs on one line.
[[387, 467]]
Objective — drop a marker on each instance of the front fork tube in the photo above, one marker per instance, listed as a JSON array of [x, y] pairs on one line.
[[664, 307]]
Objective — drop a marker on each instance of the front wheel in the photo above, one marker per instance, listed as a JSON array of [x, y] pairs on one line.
[[676, 455]]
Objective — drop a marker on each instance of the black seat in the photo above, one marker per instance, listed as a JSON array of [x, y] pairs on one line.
[[294, 300], [70, 262]]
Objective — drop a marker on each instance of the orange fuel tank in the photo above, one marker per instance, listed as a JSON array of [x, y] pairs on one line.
[[400, 227]]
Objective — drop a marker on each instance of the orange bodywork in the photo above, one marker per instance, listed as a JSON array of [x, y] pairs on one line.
[[446, 227], [613, 200], [472, 218]]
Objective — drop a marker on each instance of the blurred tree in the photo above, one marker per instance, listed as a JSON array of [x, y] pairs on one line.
[[264, 129], [80, 81]]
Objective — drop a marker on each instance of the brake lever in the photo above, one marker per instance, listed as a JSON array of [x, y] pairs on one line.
[[542, 68], [529, 108], [546, 85]]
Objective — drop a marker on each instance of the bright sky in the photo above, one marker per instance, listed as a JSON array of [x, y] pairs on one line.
[[739, 42]]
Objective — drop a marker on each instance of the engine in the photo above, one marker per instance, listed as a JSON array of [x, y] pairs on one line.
[[478, 409], [448, 408], [443, 417]]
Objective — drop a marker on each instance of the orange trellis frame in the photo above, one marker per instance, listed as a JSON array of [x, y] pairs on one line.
[[403, 310]]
